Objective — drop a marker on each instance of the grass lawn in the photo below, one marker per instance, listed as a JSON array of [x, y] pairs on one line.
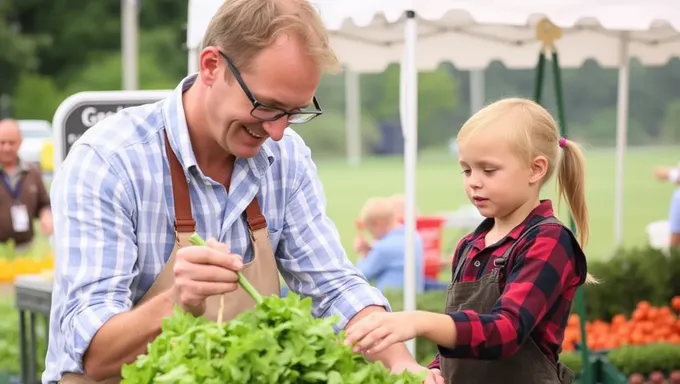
[[440, 189]]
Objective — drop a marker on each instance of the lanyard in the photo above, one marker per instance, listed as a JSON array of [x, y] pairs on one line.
[[14, 192]]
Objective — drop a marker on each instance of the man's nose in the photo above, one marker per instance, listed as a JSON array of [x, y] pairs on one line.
[[276, 128]]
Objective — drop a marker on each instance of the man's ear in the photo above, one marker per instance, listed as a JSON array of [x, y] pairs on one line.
[[539, 167], [208, 65]]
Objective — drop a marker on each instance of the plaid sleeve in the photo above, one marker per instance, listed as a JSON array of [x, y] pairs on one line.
[[543, 268]]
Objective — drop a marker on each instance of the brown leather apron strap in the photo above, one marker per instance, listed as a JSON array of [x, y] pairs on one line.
[[184, 219]]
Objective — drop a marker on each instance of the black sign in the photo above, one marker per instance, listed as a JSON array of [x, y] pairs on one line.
[[86, 114]]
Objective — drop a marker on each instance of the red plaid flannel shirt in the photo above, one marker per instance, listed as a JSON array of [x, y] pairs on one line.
[[537, 289]]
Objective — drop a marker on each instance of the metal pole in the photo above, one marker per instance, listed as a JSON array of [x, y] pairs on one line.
[[410, 129], [621, 135], [477, 90], [130, 35], [352, 114]]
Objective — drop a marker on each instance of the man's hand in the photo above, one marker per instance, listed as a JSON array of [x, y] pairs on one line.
[[201, 272], [434, 376], [46, 223]]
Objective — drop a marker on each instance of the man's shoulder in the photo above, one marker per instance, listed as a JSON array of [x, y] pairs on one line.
[[123, 130]]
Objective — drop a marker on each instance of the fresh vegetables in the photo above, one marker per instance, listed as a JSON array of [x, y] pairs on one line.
[[195, 239], [9, 339], [655, 362], [278, 342], [647, 325], [36, 260]]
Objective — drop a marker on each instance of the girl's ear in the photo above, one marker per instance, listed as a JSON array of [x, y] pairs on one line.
[[539, 167]]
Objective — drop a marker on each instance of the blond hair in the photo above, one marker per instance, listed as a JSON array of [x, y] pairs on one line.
[[535, 133], [242, 28], [377, 208]]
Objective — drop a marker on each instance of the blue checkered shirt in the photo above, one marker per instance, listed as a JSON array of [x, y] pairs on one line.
[[113, 215]]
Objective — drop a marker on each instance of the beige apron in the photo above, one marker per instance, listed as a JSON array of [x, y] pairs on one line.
[[261, 271], [528, 366]]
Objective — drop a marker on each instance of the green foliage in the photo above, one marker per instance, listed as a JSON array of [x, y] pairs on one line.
[[278, 342], [105, 73], [19, 49], [36, 97], [76, 51], [9, 342], [601, 130], [326, 135], [437, 97], [572, 360], [670, 128], [629, 277], [645, 359]]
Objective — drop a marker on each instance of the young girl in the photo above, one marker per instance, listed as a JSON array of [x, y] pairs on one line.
[[515, 276]]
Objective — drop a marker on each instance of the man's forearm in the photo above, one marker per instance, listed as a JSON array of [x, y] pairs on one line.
[[394, 355], [125, 336]]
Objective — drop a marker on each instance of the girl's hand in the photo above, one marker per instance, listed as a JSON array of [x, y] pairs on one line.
[[379, 330]]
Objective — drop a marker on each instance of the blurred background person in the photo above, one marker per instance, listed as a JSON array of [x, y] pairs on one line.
[[23, 196], [383, 263]]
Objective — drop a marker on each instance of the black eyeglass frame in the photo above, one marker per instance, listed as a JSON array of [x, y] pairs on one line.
[[310, 114]]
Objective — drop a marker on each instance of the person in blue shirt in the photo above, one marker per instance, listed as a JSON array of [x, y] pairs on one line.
[[383, 261], [672, 175]]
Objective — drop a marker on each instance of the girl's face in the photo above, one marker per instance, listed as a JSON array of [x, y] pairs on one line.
[[496, 181]]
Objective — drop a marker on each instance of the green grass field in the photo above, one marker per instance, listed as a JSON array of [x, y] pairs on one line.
[[440, 189]]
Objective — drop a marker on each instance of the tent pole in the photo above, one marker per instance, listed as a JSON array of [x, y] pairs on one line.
[[409, 119]]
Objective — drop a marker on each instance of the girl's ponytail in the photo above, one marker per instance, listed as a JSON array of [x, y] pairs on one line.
[[571, 178]]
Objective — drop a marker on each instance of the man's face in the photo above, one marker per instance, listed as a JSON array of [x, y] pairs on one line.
[[280, 76], [10, 141]]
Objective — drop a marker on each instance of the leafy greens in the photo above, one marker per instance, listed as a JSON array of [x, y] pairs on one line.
[[278, 342]]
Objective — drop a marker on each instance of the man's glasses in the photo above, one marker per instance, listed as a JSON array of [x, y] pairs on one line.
[[267, 113]]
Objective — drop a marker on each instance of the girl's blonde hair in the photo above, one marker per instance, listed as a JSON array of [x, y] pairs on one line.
[[532, 132]]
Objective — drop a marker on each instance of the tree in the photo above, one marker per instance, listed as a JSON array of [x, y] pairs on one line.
[[18, 53], [670, 127]]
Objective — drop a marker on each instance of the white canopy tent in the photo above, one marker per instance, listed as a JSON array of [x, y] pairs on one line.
[[368, 35]]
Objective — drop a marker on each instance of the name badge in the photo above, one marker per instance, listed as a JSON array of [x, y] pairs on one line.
[[20, 220]]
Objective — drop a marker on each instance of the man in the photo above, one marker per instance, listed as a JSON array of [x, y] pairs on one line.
[[214, 157], [672, 175], [23, 196]]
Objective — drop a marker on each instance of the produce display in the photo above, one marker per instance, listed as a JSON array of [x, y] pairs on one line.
[[653, 363], [9, 339], [279, 341], [39, 259], [647, 325]]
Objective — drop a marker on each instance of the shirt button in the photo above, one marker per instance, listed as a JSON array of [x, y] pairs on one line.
[[477, 263]]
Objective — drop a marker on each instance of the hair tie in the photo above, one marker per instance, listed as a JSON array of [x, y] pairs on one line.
[[563, 142]]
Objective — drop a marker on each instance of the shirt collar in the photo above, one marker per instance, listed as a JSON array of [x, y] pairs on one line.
[[543, 210], [21, 167], [178, 133]]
